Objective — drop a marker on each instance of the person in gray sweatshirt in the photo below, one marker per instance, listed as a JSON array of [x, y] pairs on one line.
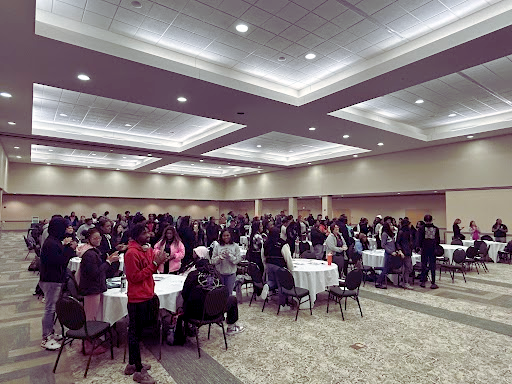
[[226, 256]]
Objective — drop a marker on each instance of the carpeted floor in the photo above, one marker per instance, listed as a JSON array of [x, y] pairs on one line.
[[459, 333]]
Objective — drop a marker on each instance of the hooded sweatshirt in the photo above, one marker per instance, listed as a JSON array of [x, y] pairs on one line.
[[54, 255], [139, 267]]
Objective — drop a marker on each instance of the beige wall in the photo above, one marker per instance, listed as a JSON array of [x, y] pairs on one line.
[[471, 164], [4, 167], [483, 206], [68, 181], [18, 210], [237, 207]]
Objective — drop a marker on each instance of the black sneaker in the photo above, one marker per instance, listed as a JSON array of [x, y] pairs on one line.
[[422, 284], [434, 286]]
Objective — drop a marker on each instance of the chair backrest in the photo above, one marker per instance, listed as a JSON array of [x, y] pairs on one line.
[[456, 242], [308, 255], [483, 249], [478, 243], [70, 312], [353, 279], [71, 286], [351, 252], [459, 255], [215, 302], [255, 273], [27, 243], [508, 247], [285, 278], [487, 237], [439, 251], [471, 252]]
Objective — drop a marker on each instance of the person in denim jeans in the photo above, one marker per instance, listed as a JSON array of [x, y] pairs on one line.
[[55, 254]]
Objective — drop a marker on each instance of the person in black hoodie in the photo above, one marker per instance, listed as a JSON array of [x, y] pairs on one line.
[[404, 244], [56, 252], [187, 238], [212, 231], [427, 240]]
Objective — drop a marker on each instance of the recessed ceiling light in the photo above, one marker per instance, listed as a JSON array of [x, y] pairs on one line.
[[346, 136], [380, 144], [127, 125], [419, 101], [219, 167], [435, 191], [48, 163], [452, 115], [88, 166], [229, 163], [191, 163], [63, 115], [16, 147], [50, 150], [117, 169], [5, 94], [281, 58], [182, 174], [290, 151], [136, 4], [18, 157], [11, 123], [259, 166], [310, 56], [259, 171], [83, 77], [124, 157], [309, 163], [149, 154], [242, 28], [159, 172], [111, 150], [470, 136], [201, 160], [355, 156], [93, 154], [234, 175], [182, 99], [259, 146], [398, 193], [312, 128]]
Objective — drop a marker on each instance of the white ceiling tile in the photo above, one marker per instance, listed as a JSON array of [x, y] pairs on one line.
[[429, 10], [266, 52], [452, 3], [148, 37], [296, 50], [237, 41], [377, 36], [311, 22], [441, 19], [101, 8], [370, 6], [129, 17], [467, 7], [159, 12], [340, 54], [198, 10], [117, 2], [44, 5], [226, 51], [308, 4], [272, 6], [403, 23], [254, 60], [416, 31], [196, 26], [256, 16], [358, 45], [177, 5], [389, 43], [330, 9], [328, 30], [154, 26], [123, 28], [410, 5], [343, 38], [311, 40], [324, 62], [268, 66], [294, 33], [389, 13], [235, 8], [187, 37], [297, 63], [292, 12], [347, 19], [260, 36], [370, 52], [279, 43], [143, 10], [96, 20], [326, 48], [363, 28], [276, 25], [221, 19], [75, 3], [66, 10]]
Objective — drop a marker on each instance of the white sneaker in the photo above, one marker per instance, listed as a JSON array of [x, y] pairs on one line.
[[285, 308], [50, 344], [264, 292], [408, 286], [232, 330], [57, 336]]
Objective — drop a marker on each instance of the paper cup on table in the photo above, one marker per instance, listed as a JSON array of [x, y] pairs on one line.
[[329, 258]]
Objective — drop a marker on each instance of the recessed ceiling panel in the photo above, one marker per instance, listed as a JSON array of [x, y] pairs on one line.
[[90, 159], [68, 114], [284, 149], [205, 169]]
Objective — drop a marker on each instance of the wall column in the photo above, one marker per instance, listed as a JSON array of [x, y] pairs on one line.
[[292, 207], [327, 206], [258, 206]]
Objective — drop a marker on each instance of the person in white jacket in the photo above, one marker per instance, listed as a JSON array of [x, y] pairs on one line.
[[226, 257], [335, 245]]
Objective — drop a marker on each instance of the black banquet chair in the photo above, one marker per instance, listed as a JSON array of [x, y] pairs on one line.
[[457, 265], [487, 238], [456, 242], [351, 289], [214, 306], [71, 315], [287, 286], [257, 283]]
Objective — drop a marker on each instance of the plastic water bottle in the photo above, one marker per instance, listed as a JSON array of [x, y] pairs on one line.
[[123, 283]]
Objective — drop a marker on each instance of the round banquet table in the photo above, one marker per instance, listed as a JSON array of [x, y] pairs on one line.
[[373, 242], [494, 247], [114, 302], [314, 275], [449, 249], [74, 263], [375, 258]]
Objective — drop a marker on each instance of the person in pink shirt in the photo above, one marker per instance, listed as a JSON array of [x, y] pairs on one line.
[[475, 231], [171, 243]]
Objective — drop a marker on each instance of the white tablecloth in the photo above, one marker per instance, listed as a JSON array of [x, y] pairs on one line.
[[314, 275], [373, 242], [375, 258], [244, 240], [494, 247], [449, 249], [114, 303], [74, 263]]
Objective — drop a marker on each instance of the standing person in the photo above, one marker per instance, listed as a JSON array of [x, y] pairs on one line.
[[226, 256], [336, 245], [187, 237], [256, 244], [404, 244], [73, 220], [475, 231], [199, 236], [292, 232], [141, 262], [457, 229], [428, 240], [56, 252], [212, 231], [377, 228], [390, 253], [84, 228], [171, 243], [234, 231], [317, 240], [500, 231]]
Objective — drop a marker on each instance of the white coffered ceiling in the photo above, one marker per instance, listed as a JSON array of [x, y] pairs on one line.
[[253, 97]]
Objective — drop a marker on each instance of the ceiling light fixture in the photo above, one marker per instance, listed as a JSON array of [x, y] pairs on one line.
[[83, 77], [192, 164], [127, 125], [117, 169], [5, 94], [48, 163], [281, 58], [63, 115], [88, 166], [50, 150], [242, 28], [398, 193], [136, 4], [16, 147], [258, 146], [419, 101], [470, 136], [310, 56], [149, 154], [452, 115], [380, 144], [182, 174], [309, 163], [124, 157], [201, 160], [11, 123], [18, 157], [435, 191], [93, 154], [355, 156], [181, 99], [312, 129], [346, 136]]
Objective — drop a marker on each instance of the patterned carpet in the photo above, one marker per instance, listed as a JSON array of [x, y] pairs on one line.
[[459, 333]]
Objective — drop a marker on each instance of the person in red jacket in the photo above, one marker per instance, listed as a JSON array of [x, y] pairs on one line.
[[141, 262]]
